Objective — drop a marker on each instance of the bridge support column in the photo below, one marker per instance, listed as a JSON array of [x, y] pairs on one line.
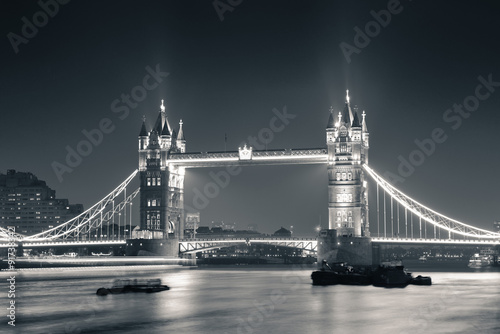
[[152, 247], [355, 251]]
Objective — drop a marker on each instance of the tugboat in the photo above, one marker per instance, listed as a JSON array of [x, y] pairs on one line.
[[341, 273], [133, 285], [388, 274], [393, 274], [421, 280]]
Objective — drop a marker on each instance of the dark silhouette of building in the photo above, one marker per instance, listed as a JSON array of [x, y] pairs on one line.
[[282, 232], [30, 205]]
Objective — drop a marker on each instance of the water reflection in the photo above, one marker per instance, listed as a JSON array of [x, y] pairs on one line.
[[256, 300]]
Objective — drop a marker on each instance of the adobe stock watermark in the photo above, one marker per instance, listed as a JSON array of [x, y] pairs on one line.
[[454, 116], [11, 261], [372, 29], [121, 107], [29, 29], [221, 179], [222, 6]]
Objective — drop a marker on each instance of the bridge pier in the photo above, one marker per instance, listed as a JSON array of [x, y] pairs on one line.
[[152, 247], [355, 251]]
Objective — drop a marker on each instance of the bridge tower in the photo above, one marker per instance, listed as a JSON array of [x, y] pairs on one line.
[[347, 139], [161, 187]]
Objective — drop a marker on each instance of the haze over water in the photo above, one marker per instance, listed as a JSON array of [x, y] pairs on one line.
[[248, 299]]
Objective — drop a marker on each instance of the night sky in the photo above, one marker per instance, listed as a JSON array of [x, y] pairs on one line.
[[226, 76]]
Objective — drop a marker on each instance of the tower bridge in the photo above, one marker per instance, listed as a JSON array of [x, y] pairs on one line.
[[162, 163]]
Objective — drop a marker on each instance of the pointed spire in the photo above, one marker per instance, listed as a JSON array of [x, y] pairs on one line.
[[158, 124], [143, 132], [331, 120], [355, 122], [162, 107], [346, 115], [364, 128], [180, 136], [164, 131], [346, 96]]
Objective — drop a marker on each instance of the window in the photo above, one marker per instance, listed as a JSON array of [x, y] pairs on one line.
[[158, 181], [349, 176], [343, 176], [153, 203], [149, 202], [153, 181], [338, 176], [149, 181], [345, 198]]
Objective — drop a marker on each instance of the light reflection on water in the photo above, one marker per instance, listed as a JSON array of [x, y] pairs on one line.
[[256, 300]]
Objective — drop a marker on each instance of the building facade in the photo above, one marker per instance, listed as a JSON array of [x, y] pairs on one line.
[[30, 205], [347, 140], [162, 188]]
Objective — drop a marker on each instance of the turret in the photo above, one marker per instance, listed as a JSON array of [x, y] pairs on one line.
[[143, 135], [331, 128], [165, 137], [181, 141], [356, 129], [364, 130]]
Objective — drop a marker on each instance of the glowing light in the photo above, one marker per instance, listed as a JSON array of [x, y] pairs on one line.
[[74, 224], [435, 241], [475, 232]]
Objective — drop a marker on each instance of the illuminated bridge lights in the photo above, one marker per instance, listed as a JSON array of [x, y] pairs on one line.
[[429, 215], [67, 243], [435, 241], [82, 226], [198, 245]]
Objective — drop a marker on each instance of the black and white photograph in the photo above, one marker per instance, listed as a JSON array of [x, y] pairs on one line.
[[250, 166]]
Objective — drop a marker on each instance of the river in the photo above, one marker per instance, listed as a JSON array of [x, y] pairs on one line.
[[252, 299]]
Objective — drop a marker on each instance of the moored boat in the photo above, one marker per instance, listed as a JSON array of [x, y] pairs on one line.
[[341, 273], [387, 274], [133, 285], [421, 280], [391, 274]]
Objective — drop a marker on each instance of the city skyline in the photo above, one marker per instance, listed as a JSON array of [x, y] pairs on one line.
[[227, 79]]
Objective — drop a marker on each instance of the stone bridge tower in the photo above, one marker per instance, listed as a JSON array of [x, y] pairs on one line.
[[347, 139], [161, 186]]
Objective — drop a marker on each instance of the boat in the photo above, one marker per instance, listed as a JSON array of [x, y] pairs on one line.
[[421, 280], [391, 274], [387, 274], [102, 254], [423, 258], [125, 285], [341, 273], [478, 261]]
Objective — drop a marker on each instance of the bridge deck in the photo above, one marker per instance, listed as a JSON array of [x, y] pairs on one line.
[[272, 157]]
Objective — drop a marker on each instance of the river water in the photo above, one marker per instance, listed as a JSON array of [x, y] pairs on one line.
[[252, 299]]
